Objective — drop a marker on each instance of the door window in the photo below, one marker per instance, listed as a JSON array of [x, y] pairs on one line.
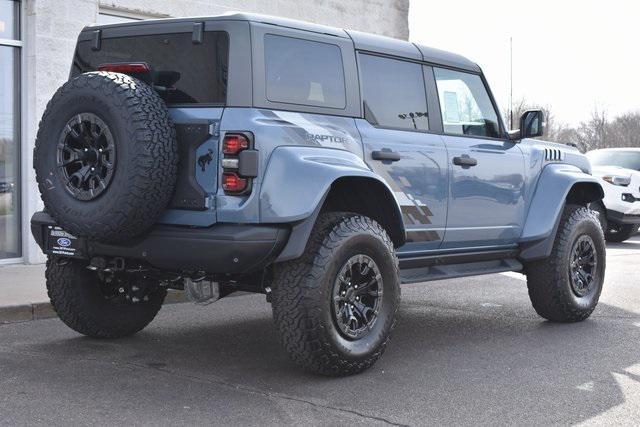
[[465, 104], [393, 93]]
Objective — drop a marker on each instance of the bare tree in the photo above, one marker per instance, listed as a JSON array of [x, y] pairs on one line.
[[596, 132]]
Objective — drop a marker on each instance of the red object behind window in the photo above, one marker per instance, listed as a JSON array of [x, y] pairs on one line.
[[126, 68], [234, 143], [232, 183]]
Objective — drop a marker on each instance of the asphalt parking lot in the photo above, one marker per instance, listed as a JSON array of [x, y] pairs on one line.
[[466, 351]]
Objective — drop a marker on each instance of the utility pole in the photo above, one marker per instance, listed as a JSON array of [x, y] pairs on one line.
[[510, 82]]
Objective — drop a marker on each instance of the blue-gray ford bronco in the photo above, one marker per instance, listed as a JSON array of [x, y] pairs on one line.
[[321, 167]]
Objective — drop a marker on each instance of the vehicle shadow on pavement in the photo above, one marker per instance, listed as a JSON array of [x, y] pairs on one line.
[[453, 358]]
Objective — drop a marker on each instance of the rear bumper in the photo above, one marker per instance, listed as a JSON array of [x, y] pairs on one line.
[[219, 249]]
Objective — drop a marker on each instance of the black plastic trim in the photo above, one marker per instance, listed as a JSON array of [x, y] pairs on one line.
[[455, 258], [198, 33], [248, 163], [219, 249]]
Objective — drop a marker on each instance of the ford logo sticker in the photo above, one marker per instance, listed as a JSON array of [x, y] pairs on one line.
[[64, 242]]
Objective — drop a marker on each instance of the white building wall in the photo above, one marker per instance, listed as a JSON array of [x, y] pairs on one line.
[[52, 26]]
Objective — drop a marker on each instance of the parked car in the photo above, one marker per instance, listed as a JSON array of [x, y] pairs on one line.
[[319, 166], [619, 210]]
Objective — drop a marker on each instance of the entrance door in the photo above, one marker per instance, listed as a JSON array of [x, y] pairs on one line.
[[486, 178], [399, 148]]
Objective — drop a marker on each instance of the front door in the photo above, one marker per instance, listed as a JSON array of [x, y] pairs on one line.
[[398, 147], [486, 178]]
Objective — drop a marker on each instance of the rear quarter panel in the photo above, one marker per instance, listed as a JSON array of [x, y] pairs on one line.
[[273, 129]]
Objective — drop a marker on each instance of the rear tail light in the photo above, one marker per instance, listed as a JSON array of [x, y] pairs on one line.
[[233, 143], [233, 183], [239, 163], [126, 67]]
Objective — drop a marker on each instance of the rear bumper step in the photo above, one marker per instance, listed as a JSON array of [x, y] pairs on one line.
[[219, 249]]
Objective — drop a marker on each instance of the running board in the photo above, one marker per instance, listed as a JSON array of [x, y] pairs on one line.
[[451, 271]]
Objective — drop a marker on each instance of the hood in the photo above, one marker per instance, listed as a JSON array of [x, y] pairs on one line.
[[601, 171]]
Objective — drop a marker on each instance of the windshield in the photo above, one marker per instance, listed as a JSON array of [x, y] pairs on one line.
[[623, 159]]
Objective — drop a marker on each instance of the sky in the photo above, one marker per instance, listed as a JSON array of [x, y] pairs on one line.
[[573, 56]]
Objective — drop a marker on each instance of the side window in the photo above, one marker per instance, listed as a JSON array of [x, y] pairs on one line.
[[393, 93], [304, 72], [465, 104]]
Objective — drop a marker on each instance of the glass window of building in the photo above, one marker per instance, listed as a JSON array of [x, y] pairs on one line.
[[10, 239]]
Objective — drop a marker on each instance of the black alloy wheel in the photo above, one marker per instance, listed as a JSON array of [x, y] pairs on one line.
[[583, 267], [86, 156], [357, 295]]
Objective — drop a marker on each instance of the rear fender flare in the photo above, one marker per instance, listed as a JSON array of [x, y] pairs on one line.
[[296, 182]]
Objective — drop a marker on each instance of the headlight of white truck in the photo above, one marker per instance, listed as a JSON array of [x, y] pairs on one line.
[[621, 180]]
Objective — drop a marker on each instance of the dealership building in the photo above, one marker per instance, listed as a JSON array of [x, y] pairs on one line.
[[37, 39]]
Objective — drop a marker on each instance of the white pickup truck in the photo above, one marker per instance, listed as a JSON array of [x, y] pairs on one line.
[[619, 211]]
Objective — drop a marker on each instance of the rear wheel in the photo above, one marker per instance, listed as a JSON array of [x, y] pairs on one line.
[[566, 286], [335, 307], [100, 306]]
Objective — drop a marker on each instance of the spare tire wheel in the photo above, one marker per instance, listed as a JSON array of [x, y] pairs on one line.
[[106, 156]]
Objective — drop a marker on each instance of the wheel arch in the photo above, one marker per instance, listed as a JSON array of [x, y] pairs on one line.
[[558, 185], [369, 197], [326, 180]]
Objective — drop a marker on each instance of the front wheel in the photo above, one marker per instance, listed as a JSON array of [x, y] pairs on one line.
[[566, 286], [335, 306], [618, 233]]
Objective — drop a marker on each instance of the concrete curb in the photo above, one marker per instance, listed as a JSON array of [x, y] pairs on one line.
[[44, 310]]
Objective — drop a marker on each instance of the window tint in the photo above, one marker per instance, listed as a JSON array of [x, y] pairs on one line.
[[393, 93], [304, 72], [183, 72], [465, 104]]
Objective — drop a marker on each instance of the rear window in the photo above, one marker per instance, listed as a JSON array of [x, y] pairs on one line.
[[182, 72], [304, 72]]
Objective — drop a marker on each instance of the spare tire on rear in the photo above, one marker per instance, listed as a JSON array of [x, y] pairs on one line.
[[106, 156]]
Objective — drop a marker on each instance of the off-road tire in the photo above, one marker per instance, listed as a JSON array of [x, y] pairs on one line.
[[618, 233], [146, 158], [76, 297], [548, 279], [601, 211], [302, 296]]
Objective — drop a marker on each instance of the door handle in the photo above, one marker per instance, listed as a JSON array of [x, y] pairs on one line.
[[465, 161], [387, 155]]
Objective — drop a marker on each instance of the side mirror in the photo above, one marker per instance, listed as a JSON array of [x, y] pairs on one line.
[[532, 124]]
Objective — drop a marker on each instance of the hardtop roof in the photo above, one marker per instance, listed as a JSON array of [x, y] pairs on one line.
[[362, 41]]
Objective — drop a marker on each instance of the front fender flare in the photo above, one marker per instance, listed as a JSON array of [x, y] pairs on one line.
[[545, 210]]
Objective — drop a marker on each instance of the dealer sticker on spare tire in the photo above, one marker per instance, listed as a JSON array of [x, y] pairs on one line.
[[61, 243]]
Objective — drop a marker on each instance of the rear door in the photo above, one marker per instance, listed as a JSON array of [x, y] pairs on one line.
[[399, 147], [189, 70], [487, 171]]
